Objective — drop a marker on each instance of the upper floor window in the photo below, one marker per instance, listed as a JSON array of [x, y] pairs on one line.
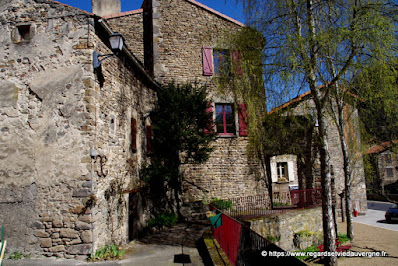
[[221, 62], [282, 173], [225, 119]]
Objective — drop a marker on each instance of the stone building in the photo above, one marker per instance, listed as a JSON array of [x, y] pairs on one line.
[[306, 174], [183, 41], [72, 137], [385, 166]]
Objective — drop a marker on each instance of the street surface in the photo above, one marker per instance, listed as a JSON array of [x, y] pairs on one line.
[[375, 215]]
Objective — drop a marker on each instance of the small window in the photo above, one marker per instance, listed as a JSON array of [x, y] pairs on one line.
[[222, 62], [24, 32], [282, 173], [225, 119], [390, 172], [112, 123]]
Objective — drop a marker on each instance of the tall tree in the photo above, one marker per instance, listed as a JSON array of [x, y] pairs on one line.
[[314, 44]]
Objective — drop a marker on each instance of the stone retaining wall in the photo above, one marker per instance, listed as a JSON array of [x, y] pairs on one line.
[[293, 230]]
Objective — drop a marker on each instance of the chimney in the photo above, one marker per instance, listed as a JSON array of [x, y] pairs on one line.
[[105, 7]]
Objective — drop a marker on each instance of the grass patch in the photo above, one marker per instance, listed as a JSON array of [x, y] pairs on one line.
[[108, 252], [17, 255], [309, 249]]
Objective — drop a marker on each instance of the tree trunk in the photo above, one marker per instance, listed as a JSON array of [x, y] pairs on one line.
[[329, 234]]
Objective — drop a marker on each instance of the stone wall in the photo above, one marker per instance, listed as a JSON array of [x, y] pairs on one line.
[[54, 198], [288, 231], [130, 25], [180, 30]]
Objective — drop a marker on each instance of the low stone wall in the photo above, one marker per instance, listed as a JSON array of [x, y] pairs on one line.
[[293, 230]]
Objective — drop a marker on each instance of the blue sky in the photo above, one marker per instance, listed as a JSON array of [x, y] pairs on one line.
[[227, 7]]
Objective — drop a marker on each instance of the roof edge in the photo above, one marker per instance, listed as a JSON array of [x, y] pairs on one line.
[[122, 14], [292, 101], [59, 3], [216, 12]]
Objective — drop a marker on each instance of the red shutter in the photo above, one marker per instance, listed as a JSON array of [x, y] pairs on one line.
[[148, 139], [236, 57], [207, 56], [243, 120], [210, 129], [133, 134]]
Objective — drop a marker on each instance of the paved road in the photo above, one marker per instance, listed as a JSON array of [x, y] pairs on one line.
[[375, 216]]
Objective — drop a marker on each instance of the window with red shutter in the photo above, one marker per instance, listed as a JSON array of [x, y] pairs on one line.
[[207, 57], [210, 128], [133, 134], [243, 120]]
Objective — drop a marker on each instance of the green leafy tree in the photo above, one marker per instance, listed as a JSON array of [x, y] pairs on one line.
[[179, 124], [315, 44]]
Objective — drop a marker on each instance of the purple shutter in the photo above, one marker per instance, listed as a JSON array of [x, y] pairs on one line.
[[207, 54], [236, 57], [210, 128], [133, 134], [243, 120]]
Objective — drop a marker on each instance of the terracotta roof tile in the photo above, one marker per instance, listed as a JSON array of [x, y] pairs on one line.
[[380, 147]]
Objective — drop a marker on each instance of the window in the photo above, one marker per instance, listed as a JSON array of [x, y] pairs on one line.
[[225, 122], [282, 173], [221, 62], [24, 32], [390, 172]]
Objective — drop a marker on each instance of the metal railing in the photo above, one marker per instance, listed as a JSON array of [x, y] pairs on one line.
[[297, 198], [243, 246], [260, 205]]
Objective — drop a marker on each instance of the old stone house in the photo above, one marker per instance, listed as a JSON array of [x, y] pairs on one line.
[[303, 171], [384, 164], [72, 137], [182, 41]]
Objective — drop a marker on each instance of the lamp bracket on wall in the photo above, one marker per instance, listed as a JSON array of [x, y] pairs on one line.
[[116, 41], [96, 58], [102, 160]]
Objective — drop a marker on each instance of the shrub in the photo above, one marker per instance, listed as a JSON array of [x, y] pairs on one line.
[[307, 250], [163, 219], [108, 252], [222, 204], [343, 238]]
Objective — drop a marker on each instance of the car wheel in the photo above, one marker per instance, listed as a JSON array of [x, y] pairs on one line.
[[388, 219]]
